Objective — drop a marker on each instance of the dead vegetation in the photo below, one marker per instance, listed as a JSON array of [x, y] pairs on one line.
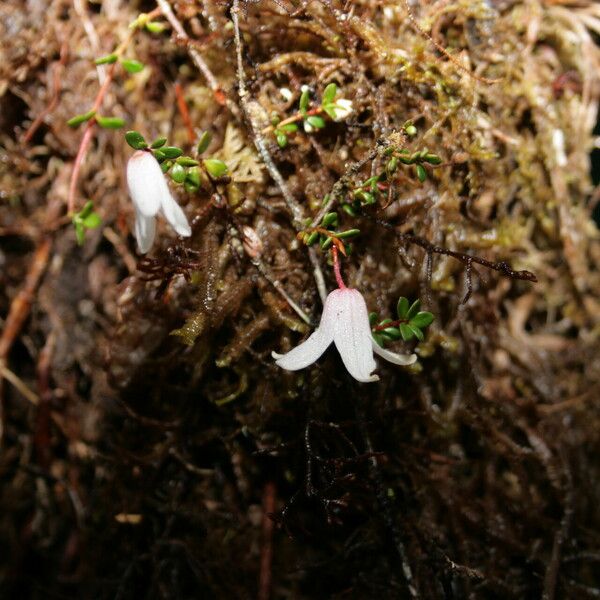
[[147, 438]]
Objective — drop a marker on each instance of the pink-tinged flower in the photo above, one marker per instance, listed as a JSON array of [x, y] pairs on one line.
[[151, 195], [345, 321]]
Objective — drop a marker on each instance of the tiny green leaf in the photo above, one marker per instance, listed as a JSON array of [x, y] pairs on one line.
[[288, 128], [131, 65], [406, 332], [92, 221], [348, 209], [282, 140], [155, 27], [79, 232], [330, 109], [204, 142], [330, 219], [194, 177], [432, 159], [166, 165], [392, 333], [329, 94], [421, 173], [158, 142], [303, 104], [87, 209], [418, 333], [171, 151], [349, 233], [186, 161], [135, 140], [373, 318], [311, 238], [77, 120], [110, 122], [326, 243], [109, 59], [216, 168], [422, 319], [410, 130], [178, 173], [378, 338], [316, 121], [413, 310], [402, 307]]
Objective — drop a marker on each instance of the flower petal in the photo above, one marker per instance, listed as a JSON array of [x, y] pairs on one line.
[[174, 214], [352, 335], [397, 359], [306, 353], [145, 228], [310, 350], [146, 183]]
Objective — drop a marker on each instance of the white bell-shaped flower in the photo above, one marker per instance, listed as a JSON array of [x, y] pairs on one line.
[[343, 109], [151, 195], [345, 321]]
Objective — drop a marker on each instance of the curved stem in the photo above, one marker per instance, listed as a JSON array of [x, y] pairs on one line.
[[336, 268]]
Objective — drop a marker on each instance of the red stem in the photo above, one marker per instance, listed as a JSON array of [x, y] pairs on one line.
[[336, 268]]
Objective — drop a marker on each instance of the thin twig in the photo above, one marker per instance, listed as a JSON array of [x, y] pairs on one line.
[[200, 63], [266, 554], [259, 142]]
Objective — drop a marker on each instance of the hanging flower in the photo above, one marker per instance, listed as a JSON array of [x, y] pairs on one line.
[[342, 109], [345, 321], [151, 195]]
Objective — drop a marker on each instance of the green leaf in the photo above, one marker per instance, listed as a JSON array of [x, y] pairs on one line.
[[311, 238], [131, 65], [331, 109], [205, 139], [92, 221], [379, 339], [373, 318], [330, 219], [329, 94], [418, 333], [406, 332], [402, 307], [110, 122], [410, 130], [421, 173], [288, 128], [392, 333], [135, 140], [159, 142], [171, 151], [326, 243], [109, 59], [316, 121], [77, 120], [432, 159], [186, 161], [413, 310], [194, 177], [79, 232], [155, 27], [304, 98], [87, 209], [349, 233], [348, 209], [422, 319], [282, 140], [178, 173], [216, 168], [166, 165]]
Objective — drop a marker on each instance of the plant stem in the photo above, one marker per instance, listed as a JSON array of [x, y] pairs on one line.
[[336, 268]]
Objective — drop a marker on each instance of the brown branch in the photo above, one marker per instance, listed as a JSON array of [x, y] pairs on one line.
[[266, 554]]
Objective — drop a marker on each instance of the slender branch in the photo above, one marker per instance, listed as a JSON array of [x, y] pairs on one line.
[[293, 206], [336, 268]]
